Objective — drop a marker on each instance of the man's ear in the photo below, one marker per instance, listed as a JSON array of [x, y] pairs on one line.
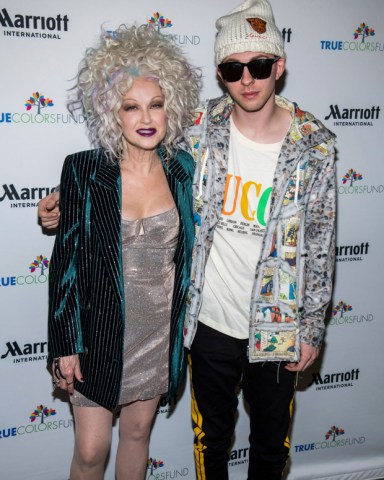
[[280, 64], [220, 76]]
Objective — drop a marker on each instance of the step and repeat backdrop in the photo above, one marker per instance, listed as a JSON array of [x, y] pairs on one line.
[[335, 69]]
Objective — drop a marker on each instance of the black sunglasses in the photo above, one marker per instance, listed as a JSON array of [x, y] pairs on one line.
[[260, 69]]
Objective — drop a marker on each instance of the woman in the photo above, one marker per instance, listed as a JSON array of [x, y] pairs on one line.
[[121, 261]]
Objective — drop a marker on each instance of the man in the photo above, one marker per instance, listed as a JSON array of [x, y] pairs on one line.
[[264, 247]]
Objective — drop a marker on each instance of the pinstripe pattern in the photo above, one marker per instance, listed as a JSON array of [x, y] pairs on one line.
[[86, 297]]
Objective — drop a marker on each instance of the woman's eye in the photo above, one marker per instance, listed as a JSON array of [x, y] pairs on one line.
[[129, 108], [157, 105]]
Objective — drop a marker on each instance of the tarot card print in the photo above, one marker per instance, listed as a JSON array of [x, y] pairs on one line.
[[268, 314], [287, 291], [289, 255], [272, 315], [275, 343], [290, 193], [290, 230], [266, 290], [273, 249]]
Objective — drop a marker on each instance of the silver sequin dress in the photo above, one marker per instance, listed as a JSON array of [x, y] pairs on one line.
[[148, 249]]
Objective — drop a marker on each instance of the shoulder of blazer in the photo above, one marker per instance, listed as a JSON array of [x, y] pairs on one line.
[[89, 159], [181, 166], [95, 165]]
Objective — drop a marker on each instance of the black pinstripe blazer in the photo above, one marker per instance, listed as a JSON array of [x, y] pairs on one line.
[[86, 307]]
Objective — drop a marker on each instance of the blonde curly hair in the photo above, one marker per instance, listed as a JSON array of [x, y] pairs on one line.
[[108, 71]]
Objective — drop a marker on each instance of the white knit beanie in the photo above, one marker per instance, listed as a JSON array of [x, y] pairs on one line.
[[250, 27]]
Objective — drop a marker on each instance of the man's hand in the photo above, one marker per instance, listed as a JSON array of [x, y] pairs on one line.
[[307, 356], [48, 210]]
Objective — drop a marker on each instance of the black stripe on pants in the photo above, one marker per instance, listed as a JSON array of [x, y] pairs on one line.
[[218, 363]]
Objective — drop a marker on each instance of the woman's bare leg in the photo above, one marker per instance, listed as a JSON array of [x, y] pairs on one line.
[[135, 427], [93, 431]]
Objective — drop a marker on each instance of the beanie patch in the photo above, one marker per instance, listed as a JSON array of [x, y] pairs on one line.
[[258, 24]]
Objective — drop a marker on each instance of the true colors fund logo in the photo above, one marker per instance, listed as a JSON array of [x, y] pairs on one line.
[[41, 412], [40, 421], [353, 184], [360, 41], [160, 22], [38, 111], [33, 26], [341, 315], [154, 464], [38, 269], [333, 438], [39, 101]]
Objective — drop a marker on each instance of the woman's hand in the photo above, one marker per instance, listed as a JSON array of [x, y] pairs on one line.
[[64, 372]]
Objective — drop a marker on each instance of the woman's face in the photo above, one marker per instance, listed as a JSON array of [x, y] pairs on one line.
[[142, 115]]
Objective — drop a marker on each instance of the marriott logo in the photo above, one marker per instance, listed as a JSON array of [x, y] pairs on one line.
[[331, 381], [353, 116], [34, 22], [351, 253]]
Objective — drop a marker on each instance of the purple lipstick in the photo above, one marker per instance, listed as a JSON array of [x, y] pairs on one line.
[[146, 132]]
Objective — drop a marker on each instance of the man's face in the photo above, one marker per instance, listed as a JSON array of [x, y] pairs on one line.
[[249, 94]]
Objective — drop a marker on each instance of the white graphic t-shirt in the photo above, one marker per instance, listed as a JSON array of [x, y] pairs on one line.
[[230, 270]]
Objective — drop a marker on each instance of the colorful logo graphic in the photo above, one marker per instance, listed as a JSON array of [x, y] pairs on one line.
[[41, 263], [332, 440], [36, 113], [340, 317], [158, 21], [39, 101], [161, 23], [152, 465], [351, 176], [45, 424], [341, 308], [352, 185], [42, 412], [363, 31], [334, 432]]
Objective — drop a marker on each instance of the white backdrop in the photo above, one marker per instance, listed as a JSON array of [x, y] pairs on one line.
[[338, 428]]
